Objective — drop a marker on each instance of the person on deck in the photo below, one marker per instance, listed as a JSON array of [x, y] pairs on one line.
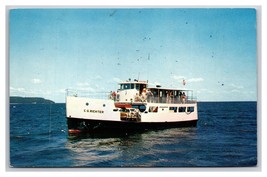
[[149, 95], [137, 98], [183, 97], [143, 95], [169, 96]]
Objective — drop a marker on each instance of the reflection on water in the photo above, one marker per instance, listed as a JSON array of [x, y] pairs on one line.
[[137, 149], [90, 151]]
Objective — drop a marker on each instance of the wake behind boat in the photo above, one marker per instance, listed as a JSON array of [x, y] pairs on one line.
[[134, 106]]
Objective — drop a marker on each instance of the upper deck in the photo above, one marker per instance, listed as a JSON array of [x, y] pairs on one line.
[[140, 91]]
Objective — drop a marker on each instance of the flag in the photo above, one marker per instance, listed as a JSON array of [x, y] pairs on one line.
[[183, 82]]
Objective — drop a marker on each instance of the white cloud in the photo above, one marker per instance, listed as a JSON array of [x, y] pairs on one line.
[[180, 78], [36, 81], [198, 79], [12, 90], [205, 91], [82, 84], [177, 77], [98, 77], [236, 86], [26, 92], [235, 91], [115, 79], [86, 89]]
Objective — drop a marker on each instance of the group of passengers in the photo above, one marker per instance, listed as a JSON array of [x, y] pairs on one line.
[[146, 95], [170, 96]]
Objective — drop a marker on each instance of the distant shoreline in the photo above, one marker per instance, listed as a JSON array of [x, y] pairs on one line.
[[29, 100]]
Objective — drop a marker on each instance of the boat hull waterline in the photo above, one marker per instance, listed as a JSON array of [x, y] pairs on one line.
[[79, 125]]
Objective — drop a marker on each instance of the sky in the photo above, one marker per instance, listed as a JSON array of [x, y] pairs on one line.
[[213, 49]]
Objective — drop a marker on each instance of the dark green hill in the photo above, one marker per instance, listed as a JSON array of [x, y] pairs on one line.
[[29, 100]]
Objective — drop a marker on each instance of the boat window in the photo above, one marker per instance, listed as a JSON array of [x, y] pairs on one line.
[[142, 87], [122, 110], [137, 86], [153, 109], [190, 109], [132, 86], [141, 108], [173, 109], [182, 109], [155, 93], [125, 86]]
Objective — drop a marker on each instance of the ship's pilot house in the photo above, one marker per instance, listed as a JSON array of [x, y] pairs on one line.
[[129, 90]]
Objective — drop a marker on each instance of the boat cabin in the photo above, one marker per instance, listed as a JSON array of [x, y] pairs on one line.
[[139, 92], [136, 85]]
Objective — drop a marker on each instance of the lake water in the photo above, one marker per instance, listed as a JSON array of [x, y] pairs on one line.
[[225, 136]]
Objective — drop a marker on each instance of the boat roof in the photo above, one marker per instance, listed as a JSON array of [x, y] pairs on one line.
[[134, 82]]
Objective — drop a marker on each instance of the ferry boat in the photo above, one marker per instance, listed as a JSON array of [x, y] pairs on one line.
[[134, 106]]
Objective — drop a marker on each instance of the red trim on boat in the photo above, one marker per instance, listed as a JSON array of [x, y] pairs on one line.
[[123, 105], [73, 131]]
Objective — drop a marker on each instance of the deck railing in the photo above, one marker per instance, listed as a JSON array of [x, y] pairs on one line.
[[151, 99], [83, 93]]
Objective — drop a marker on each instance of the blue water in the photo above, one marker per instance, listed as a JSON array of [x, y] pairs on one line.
[[226, 136]]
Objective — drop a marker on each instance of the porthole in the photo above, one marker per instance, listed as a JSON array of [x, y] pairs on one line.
[[104, 105], [87, 104]]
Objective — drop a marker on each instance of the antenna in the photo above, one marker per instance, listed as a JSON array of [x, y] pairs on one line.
[[138, 75]]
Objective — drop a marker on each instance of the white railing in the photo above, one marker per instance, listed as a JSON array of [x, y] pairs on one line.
[[82, 93], [149, 99]]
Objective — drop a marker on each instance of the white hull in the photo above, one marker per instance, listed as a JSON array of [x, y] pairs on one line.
[[101, 109]]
